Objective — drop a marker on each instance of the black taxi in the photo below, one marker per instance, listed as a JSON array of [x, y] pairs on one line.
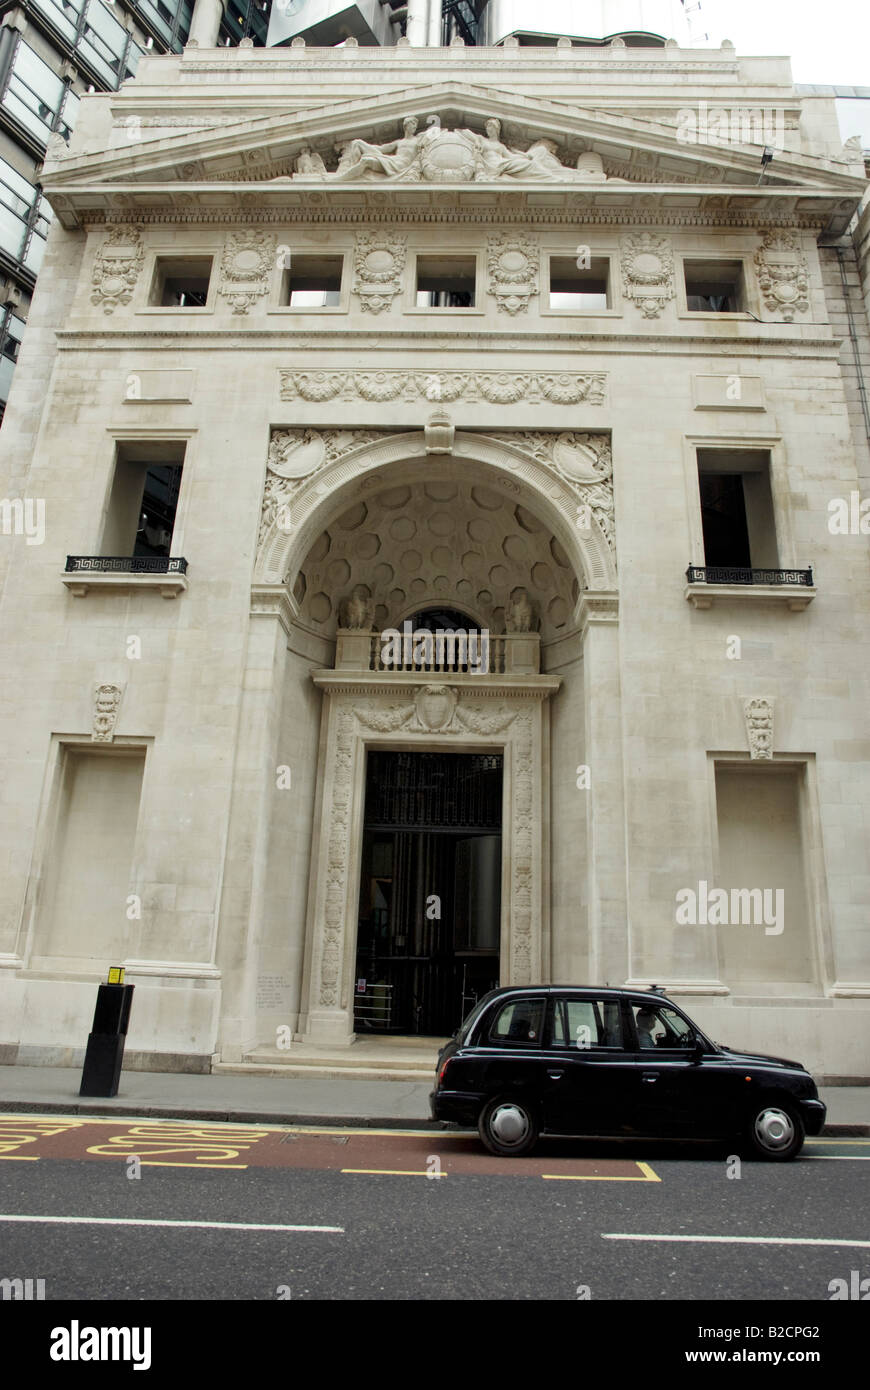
[[565, 1060]]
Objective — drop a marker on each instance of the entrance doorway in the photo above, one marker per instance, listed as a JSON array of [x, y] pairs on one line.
[[429, 919]]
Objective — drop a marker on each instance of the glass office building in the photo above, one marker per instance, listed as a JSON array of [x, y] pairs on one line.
[[51, 53]]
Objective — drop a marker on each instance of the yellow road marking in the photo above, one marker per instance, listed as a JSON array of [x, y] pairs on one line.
[[20, 1158], [647, 1176], [155, 1163], [29, 1130], [397, 1172]]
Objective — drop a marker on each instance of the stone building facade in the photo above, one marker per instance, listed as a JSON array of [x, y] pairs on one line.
[[519, 335]]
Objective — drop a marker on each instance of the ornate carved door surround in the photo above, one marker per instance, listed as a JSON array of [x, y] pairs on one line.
[[449, 713]]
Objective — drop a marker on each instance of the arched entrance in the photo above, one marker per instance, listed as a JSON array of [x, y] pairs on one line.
[[359, 532]]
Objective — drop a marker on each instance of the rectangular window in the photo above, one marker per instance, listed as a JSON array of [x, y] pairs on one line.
[[312, 282], [587, 1023], [737, 508], [520, 1021], [82, 910], [764, 927], [63, 15], [34, 92], [181, 282], [714, 287], [9, 354], [17, 196], [574, 288], [140, 518], [103, 42], [446, 282]]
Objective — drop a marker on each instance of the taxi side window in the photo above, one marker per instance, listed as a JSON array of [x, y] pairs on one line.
[[659, 1026], [587, 1023], [520, 1021]]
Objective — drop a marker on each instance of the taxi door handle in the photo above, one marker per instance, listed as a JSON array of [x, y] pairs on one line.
[[555, 1075], [650, 1076]]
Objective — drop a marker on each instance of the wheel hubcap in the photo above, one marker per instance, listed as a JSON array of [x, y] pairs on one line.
[[509, 1124], [774, 1129]]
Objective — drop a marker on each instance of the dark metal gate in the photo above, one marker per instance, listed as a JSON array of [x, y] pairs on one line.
[[430, 890]]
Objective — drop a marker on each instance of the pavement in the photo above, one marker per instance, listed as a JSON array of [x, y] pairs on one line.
[[259, 1099]]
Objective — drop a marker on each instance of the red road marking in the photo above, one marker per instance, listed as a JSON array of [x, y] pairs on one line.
[[167, 1143]]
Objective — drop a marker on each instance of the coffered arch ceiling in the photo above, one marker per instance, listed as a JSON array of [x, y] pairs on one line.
[[446, 541]]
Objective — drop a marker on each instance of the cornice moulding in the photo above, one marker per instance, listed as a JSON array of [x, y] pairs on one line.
[[790, 208], [790, 344], [481, 687]]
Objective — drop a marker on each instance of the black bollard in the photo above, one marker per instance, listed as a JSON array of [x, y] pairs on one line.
[[105, 1052]]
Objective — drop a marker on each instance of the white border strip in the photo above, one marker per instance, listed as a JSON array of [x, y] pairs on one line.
[[136, 1221], [743, 1240]]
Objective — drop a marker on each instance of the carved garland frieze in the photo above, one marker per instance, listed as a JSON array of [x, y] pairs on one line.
[[435, 710], [117, 267], [513, 263], [499, 388], [337, 853], [583, 461], [294, 454], [782, 274], [379, 266], [524, 833], [246, 268], [648, 272]]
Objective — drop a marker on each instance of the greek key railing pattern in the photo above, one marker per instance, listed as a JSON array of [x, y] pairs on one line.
[[125, 564], [726, 574]]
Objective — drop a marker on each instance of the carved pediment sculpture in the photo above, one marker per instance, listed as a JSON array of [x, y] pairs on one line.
[[107, 701], [648, 272], [379, 263], [519, 616], [245, 267], [513, 271], [758, 715], [359, 610], [782, 274], [436, 155], [116, 267]]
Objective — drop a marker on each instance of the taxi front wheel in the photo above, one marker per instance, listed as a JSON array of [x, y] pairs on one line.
[[775, 1131], [508, 1127]]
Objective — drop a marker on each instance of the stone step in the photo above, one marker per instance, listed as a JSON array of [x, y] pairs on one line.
[[324, 1071], [362, 1054]]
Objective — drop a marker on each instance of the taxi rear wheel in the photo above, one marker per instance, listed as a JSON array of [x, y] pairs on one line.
[[775, 1131], [508, 1127]]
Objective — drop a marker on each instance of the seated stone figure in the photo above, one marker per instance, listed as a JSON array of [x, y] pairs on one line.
[[544, 162], [398, 159], [496, 160], [309, 164]]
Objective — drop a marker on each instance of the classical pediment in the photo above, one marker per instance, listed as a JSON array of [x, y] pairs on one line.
[[444, 136]]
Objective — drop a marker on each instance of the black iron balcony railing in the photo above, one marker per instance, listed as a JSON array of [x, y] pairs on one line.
[[125, 564], [729, 574]]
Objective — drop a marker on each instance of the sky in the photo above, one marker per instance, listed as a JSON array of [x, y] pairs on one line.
[[827, 43]]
